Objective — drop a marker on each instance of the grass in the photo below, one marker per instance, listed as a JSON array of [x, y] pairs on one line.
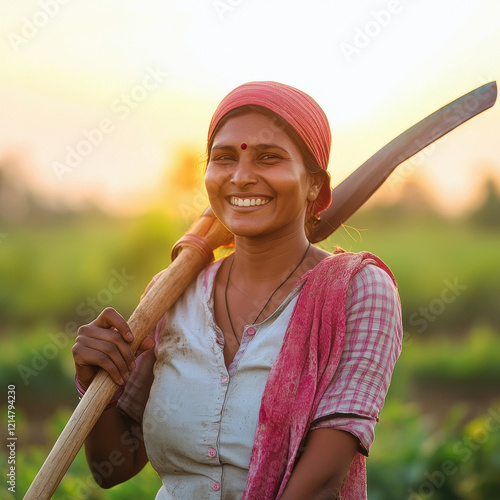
[[474, 360]]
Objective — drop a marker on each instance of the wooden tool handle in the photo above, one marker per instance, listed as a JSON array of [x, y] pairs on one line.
[[162, 295]]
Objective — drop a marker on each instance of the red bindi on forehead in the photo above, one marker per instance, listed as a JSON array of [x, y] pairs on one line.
[[243, 146]]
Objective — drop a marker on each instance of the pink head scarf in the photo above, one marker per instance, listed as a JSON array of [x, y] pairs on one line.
[[297, 108]]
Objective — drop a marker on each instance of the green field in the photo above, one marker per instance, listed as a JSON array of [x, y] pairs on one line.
[[438, 425]]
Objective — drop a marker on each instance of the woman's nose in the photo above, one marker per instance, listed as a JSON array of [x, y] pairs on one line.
[[244, 173]]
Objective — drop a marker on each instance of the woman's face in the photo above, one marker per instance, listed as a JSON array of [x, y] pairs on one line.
[[262, 187]]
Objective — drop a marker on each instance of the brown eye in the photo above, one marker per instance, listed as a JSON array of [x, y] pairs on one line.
[[269, 157], [224, 157]]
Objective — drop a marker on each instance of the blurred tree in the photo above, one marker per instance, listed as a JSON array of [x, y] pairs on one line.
[[184, 175], [184, 185], [22, 201], [413, 202], [488, 214], [14, 194]]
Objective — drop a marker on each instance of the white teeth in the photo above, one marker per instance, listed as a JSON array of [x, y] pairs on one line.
[[248, 202]]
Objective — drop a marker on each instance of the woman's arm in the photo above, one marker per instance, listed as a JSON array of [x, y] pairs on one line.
[[319, 473], [114, 448], [372, 345]]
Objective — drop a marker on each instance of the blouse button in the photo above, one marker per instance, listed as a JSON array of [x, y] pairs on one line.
[[224, 380], [251, 331], [216, 486], [212, 453]]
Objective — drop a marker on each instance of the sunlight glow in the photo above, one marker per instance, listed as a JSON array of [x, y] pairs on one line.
[[141, 80]]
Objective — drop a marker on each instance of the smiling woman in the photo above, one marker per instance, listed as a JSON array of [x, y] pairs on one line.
[[265, 134], [263, 188], [269, 373]]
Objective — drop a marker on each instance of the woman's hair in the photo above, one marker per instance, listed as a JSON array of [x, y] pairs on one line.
[[308, 158]]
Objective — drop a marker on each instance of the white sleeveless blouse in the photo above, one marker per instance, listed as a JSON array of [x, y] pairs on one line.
[[200, 420]]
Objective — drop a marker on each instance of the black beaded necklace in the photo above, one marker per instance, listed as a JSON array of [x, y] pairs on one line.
[[268, 300]]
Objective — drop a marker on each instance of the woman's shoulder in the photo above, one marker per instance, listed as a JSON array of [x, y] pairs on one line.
[[207, 276], [353, 262], [372, 275], [363, 274], [375, 282], [374, 288], [202, 284]]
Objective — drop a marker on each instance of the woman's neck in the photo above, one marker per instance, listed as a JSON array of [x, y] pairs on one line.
[[264, 260]]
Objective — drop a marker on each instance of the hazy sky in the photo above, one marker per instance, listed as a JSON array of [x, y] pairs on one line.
[[99, 97]]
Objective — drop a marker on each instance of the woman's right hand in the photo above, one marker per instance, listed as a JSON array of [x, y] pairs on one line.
[[105, 343]]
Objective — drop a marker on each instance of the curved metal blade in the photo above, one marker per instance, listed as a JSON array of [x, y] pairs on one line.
[[356, 189]]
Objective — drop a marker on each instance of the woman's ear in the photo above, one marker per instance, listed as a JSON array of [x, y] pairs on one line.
[[317, 180]]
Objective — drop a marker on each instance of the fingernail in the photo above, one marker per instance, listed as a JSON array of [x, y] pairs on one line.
[[130, 337], [132, 365]]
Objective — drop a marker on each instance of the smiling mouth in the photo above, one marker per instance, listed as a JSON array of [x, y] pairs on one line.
[[248, 202]]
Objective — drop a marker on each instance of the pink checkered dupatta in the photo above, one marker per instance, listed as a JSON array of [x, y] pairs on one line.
[[304, 367]]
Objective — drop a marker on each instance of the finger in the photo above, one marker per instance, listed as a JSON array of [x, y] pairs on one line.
[[109, 318], [95, 352], [108, 336]]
